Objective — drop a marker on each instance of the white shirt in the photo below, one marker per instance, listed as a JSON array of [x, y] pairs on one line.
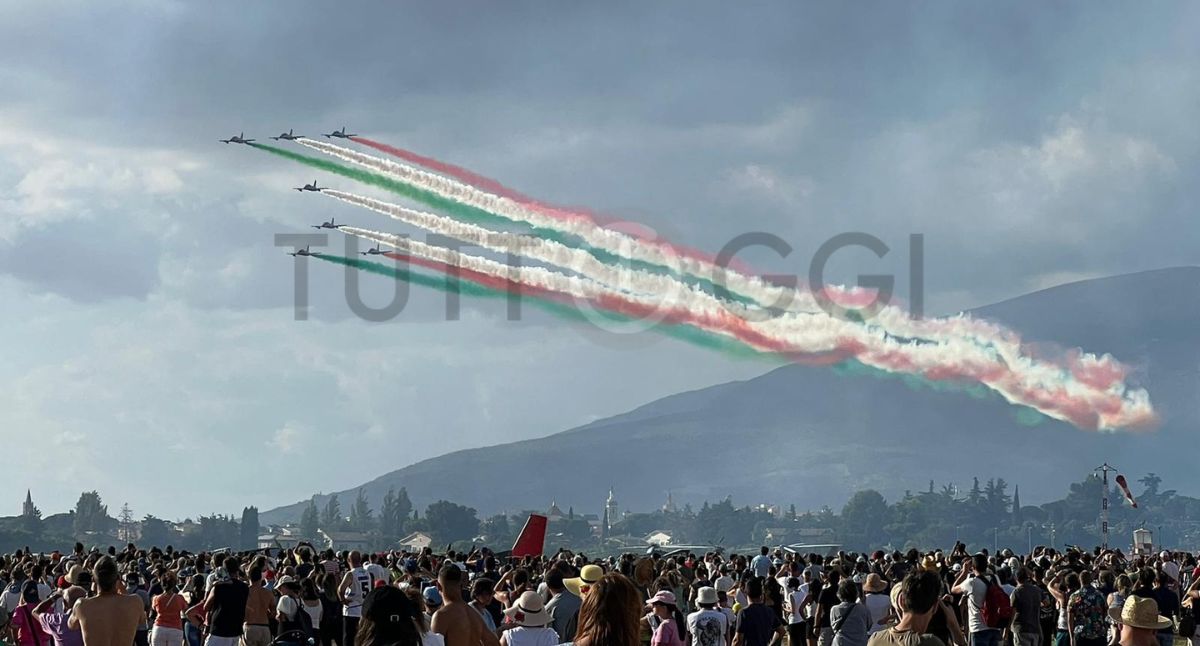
[[976, 590], [379, 573], [522, 636], [708, 627], [360, 586], [796, 605], [878, 604], [1171, 569]]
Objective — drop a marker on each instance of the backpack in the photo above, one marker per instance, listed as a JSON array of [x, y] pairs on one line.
[[302, 621], [997, 609]]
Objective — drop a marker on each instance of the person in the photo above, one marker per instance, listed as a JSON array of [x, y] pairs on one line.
[[708, 626], [355, 586], [761, 564], [1170, 568], [1168, 605], [669, 629], [133, 586], [109, 618], [54, 621], [973, 581], [1086, 614], [528, 615], [1116, 599], [225, 605], [387, 618], [563, 605], [851, 621], [757, 624], [918, 597], [310, 601], [826, 599], [294, 623], [609, 614], [1026, 601], [1140, 621], [483, 591], [458, 623], [877, 601], [25, 626], [797, 604], [169, 607], [193, 624], [256, 628], [1061, 588]]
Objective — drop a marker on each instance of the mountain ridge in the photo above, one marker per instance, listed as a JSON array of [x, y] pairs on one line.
[[786, 417]]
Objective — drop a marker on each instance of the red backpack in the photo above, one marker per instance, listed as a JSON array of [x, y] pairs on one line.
[[997, 610]]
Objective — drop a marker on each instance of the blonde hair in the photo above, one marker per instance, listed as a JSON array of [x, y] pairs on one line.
[[610, 613]]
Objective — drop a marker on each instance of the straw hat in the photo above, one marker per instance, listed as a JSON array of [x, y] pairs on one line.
[[529, 611], [874, 583], [588, 576], [1140, 612]]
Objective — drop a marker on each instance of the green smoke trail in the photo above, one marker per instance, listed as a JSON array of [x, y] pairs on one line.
[[479, 216], [461, 211], [465, 286]]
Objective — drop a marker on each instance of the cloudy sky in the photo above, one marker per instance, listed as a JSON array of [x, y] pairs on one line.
[[150, 349]]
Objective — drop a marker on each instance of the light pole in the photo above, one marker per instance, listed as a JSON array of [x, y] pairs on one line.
[[995, 540], [1104, 468], [1029, 533]]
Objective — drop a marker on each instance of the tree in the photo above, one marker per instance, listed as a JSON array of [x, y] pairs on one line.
[[155, 531], [360, 513], [451, 522], [1152, 481], [498, 530], [249, 528], [91, 515], [310, 520], [331, 516], [864, 517], [1016, 505], [125, 527]]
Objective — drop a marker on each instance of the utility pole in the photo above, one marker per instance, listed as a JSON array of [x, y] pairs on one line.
[[1104, 469]]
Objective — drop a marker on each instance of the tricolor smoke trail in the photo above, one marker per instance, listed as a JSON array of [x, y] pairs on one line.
[[1047, 388], [480, 285], [457, 172], [1101, 372], [1087, 392]]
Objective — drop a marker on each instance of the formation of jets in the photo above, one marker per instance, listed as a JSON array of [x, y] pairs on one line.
[[291, 135], [239, 138], [340, 134], [327, 225]]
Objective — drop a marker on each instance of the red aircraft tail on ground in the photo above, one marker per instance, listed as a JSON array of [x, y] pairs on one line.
[[532, 538]]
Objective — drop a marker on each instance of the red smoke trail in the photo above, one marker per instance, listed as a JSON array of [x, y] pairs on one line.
[[492, 186]]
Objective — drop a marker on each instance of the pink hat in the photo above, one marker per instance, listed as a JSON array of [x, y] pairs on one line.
[[663, 596]]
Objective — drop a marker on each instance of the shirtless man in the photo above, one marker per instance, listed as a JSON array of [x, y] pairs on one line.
[[457, 622], [110, 618]]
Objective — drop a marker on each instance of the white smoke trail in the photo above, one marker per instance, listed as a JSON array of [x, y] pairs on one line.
[[1044, 387], [894, 319]]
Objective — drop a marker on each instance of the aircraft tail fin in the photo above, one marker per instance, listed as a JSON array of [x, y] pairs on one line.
[[532, 539]]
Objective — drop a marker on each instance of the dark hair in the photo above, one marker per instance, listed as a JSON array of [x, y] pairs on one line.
[[921, 591], [388, 618], [754, 588], [848, 591], [255, 574], [106, 573], [450, 575], [554, 579], [482, 587]]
